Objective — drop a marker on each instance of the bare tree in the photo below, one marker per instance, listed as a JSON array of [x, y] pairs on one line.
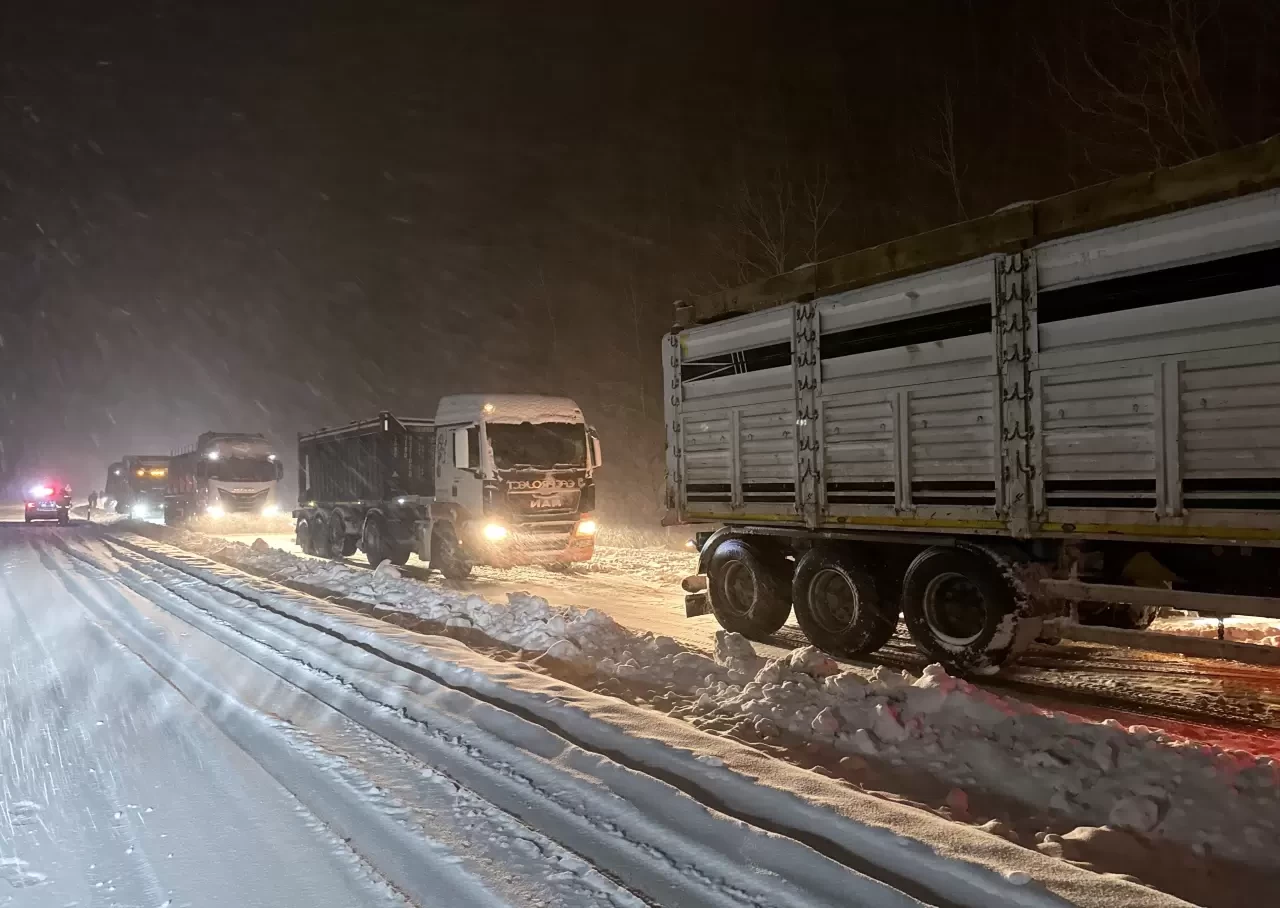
[[940, 153], [1155, 88], [777, 223]]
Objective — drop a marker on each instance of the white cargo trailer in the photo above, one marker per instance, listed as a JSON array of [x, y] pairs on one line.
[[1069, 404]]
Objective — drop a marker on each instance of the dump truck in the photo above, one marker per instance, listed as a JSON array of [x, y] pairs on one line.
[[137, 484], [225, 478], [1069, 407], [498, 479]]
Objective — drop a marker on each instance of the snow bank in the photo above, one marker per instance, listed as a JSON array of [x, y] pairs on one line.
[[1225, 803], [1237, 629]]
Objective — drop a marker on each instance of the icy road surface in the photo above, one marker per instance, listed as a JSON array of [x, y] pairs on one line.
[[115, 790]]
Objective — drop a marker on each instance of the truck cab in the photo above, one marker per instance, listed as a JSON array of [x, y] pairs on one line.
[[514, 480], [139, 486], [225, 474]]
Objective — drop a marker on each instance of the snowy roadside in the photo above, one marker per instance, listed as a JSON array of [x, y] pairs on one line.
[[621, 791], [1071, 784], [472, 704], [1236, 628]]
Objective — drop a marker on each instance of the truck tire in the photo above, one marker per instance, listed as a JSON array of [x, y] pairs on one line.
[[340, 544], [320, 542], [837, 604], [749, 593], [447, 555], [962, 611], [302, 535]]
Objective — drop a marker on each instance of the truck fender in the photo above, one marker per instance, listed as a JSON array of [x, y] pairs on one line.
[[444, 511], [710, 546]]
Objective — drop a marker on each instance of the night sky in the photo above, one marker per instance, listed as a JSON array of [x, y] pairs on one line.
[[271, 216]]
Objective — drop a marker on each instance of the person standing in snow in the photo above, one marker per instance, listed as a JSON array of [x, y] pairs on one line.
[[93, 502]]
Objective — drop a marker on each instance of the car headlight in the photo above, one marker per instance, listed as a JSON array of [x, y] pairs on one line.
[[587, 527], [495, 532], [215, 511], [270, 510]]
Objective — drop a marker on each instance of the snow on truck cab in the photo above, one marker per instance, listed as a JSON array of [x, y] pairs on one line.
[[499, 480], [1066, 410], [226, 474]]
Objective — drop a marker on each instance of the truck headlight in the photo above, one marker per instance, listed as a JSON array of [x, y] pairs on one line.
[[270, 510], [587, 527], [139, 511], [494, 532], [215, 511]]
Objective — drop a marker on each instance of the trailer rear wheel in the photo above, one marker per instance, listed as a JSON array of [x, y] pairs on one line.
[[837, 604], [749, 593], [961, 611]]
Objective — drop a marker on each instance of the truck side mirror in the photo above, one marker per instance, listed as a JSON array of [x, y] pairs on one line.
[[597, 458], [461, 459]]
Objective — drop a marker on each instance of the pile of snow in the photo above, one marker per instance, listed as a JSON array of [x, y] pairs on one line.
[[1237, 628], [1220, 802]]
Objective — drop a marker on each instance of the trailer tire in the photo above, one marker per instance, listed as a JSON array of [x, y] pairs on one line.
[[302, 536], [962, 611], [749, 594], [837, 604], [447, 556]]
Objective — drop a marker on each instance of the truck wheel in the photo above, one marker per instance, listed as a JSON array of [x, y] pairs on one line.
[[320, 541], [447, 555], [302, 535], [375, 540], [749, 593], [961, 611], [837, 604], [340, 544]]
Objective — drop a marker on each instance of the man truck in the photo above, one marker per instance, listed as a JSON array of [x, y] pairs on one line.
[[137, 484], [225, 477], [1067, 406], [499, 479]]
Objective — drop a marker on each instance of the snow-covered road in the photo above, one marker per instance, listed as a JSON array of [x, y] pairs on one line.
[[191, 735], [115, 790]]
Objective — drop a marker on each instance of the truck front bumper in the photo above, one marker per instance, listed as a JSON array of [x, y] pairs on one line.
[[515, 551]]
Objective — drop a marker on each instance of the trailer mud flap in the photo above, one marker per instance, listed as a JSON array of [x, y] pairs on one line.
[[696, 604]]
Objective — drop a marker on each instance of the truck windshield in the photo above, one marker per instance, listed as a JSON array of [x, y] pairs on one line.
[[242, 469], [538, 446]]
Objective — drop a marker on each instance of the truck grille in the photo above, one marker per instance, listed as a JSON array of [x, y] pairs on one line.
[[242, 501], [544, 535]]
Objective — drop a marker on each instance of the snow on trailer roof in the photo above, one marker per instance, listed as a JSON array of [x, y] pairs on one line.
[[507, 408], [1253, 168]]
